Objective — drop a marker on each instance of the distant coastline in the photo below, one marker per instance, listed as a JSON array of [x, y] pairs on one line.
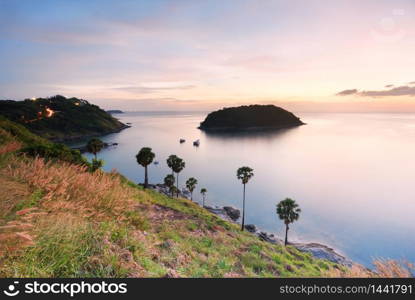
[[114, 111]]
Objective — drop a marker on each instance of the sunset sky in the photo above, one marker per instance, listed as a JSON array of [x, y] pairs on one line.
[[305, 55]]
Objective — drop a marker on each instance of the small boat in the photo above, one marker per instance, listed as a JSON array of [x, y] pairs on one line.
[[156, 162], [182, 141], [196, 143]]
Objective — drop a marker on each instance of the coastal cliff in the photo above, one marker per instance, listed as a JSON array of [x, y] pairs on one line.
[[59, 118]]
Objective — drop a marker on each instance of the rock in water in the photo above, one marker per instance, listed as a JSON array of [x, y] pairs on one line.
[[324, 252], [232, 212], [251, 228], [253, 117]]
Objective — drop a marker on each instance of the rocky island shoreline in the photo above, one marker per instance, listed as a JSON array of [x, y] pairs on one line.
[[232, 214]]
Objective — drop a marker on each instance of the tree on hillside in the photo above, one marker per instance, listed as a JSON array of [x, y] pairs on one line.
[[169, 182], [94, 146], [191, 184], [288, 211], [203, 191], [145, 157], [96, 165], [174, 190], [244, 174], [177, 166], [170, 161]]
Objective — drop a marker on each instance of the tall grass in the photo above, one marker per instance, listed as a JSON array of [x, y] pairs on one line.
[[11, 194], [10, 147], [8, 143], [68, 186], [66, 246], [384, 268], [393, 268]]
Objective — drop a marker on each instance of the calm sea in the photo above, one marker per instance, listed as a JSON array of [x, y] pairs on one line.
[[352, 174]]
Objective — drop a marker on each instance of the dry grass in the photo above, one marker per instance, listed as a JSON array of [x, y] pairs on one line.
[[11, 193], [393, 268], [9, 142], [67, 186], [384, 268], [10, 147]]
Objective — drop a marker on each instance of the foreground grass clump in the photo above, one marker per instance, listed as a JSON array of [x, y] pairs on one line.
[[69, 186], [62, 249], [383, 268]]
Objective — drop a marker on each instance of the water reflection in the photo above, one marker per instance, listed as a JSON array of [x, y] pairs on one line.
[[248, 135]]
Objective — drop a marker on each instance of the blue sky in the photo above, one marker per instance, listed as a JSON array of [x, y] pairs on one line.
[[198, 55]]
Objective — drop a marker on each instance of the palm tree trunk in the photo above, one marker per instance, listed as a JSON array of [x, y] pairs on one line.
[[191, 196], [286, 235], [243, 212], [177, 192], [203, 203], [95, 156], [145, 177]]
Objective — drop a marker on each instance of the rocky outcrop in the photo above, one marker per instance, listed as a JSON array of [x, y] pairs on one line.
[[83, 149], [323, 252], [316, 250], [162, 188], [268, 237], [232, 212], [251, 228], [227, 213]]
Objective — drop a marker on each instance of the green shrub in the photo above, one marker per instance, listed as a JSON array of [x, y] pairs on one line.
[[53, 151]]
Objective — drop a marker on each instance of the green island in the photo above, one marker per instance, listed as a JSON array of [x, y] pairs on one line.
[[250, 118], [60, 217]]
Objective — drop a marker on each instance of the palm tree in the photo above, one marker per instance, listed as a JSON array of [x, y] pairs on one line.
[[203, 191], [94, 146], [177, 167], [170, 162], [191, 184], [288, 211], [169, 182], [96, 165], [145, 157], [244, 173], [173, 190]]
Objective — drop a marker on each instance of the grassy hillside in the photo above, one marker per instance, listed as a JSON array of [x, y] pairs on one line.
[[59, 118], [14, 136], [59, 220]]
